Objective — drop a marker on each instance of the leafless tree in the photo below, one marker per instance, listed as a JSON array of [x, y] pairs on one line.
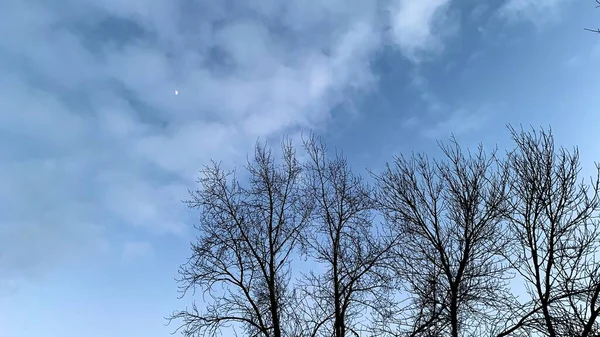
[[554, 220], [449, 255], [246, 237], [343, 240], [455, 232]]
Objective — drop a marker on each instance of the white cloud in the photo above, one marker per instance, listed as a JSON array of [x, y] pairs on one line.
[[419, 26], [97, 138], [134, 250]]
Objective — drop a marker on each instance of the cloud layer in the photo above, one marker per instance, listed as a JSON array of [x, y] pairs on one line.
[[99, 142]]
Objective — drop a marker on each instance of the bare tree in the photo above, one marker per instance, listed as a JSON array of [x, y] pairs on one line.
[[450, 216], [455, 232], [343, 240], [555, 226], [246, 237]]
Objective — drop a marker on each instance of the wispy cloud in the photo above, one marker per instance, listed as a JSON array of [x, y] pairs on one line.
[[97, 138], [538, 12], [454, 121], [438, 119], [457, 122]]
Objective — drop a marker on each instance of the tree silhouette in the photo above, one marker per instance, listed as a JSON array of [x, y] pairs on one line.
[[246, 238], [450, 253], [555, 227], [341, 238], [457, 234]]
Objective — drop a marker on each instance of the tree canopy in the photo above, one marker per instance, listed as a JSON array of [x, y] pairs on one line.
[[472, 243]]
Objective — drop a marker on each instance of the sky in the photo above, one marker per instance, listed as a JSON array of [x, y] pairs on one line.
[[98, 151]]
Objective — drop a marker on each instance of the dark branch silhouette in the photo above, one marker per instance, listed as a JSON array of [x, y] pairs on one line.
[[554, 221], [450, 255], [457, 234], [343, 240], [246, 238]]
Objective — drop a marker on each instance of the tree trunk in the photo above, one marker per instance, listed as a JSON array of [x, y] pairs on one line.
[[454, 313]]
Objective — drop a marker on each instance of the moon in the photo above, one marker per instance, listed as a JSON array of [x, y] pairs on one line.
[[176, 92]]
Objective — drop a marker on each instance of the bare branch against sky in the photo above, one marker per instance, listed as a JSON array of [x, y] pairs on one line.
[[436, 247], [246, 237]]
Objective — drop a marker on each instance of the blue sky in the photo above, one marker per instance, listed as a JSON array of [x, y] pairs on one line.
[[98, 151]]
